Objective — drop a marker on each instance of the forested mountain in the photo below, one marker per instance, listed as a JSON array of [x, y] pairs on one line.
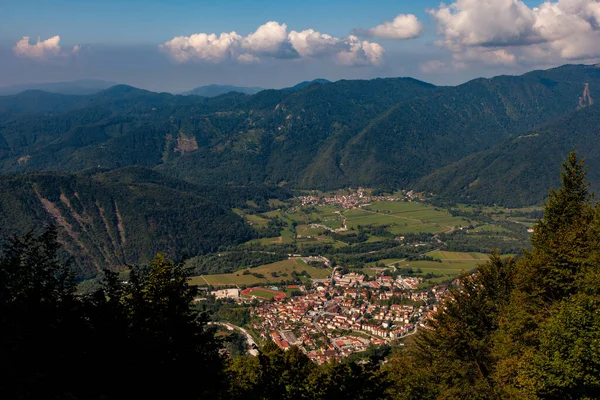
[[304, 84], [79, 87], [383, 132], [217, 90], [113, 218], [516, 172]]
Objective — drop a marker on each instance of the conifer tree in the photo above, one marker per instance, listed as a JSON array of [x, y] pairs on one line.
[[563, 239]]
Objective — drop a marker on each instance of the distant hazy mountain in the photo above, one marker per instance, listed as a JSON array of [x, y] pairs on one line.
[[304, 84], [79, 87], [217, 90]]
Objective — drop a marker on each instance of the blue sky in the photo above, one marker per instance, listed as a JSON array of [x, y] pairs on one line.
[[134, 41]]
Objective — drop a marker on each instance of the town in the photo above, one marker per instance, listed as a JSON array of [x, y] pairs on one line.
[[329, 319], [352, 200]]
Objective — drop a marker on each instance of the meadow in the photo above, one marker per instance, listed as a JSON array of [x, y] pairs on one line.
[[274, 273]]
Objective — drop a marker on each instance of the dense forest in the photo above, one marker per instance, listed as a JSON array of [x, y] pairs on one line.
[[516, 172], [386, 133], [109, 219], [525, 328]]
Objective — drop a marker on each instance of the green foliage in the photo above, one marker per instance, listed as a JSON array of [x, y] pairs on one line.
[[111, 219], [514, 329], [525, 329], [276, 374], [518, 171], [385, 133], [227, 262]]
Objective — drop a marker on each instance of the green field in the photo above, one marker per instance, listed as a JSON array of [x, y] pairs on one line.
[[265, 294], [256, 220], [283, 269], [456, 256], [400, 218], [452, 264]]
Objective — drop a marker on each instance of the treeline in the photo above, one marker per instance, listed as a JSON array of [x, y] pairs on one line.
[[483, 243]]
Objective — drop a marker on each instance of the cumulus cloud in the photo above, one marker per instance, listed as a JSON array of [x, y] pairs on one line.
[[402, 27], [272, 40], [42, 50], [509, 32]]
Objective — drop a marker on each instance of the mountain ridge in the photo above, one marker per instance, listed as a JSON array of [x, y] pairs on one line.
[[515, 172], [387, 133]]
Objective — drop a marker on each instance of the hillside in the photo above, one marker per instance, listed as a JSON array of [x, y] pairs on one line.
[[382, 132], [79, 87], [516, 172], [217, 90], [114, 218]]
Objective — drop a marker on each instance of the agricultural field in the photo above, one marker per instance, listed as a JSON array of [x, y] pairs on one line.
[[450, 264], [459, 256], [307, 225], [256, 220], [408, 217], [272, 274], [366, 235]]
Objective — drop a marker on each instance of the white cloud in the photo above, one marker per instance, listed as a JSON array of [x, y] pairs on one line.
[[509, 32], [402, 27], [42, 50], [310, 43], [361, 53], [272, 40], [268, 39]]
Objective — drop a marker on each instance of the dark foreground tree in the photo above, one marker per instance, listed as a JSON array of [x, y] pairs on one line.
[[127, 340]]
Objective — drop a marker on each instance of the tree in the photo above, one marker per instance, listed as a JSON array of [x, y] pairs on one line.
[[168, 340], [456, 354], [563, 239], [43, 330]]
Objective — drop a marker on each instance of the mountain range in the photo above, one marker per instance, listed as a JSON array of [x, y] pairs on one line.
[[382, 133], [488, 141], [78, 87], [217, 90]]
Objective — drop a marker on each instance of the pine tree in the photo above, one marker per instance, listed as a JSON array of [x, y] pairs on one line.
[[562, 241]]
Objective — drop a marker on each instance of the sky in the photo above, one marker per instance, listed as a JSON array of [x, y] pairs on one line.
[[177, 45]]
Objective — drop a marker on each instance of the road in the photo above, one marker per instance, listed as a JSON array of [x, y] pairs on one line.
[[251, 343]]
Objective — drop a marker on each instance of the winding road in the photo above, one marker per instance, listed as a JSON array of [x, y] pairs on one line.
[[252, 347]]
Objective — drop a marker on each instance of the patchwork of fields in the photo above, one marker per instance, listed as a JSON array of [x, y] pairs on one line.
[[339, 227]]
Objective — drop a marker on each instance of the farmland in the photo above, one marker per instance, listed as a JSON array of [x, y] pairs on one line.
[[272, 274], [312, 224], [447, 265], [361, 231]]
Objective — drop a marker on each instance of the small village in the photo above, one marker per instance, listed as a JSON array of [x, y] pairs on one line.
[[352, 200], [344, 314]]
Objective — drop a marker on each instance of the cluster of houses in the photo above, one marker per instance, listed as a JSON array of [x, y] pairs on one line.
[[350, 201], [343, 315]]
